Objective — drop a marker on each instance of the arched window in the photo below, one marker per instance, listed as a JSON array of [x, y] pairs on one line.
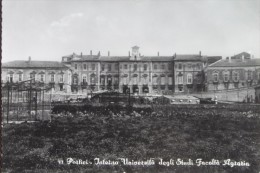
[[226, 77], [20, 76], [180, 78], [215, 77], [235, 77], [84, 79], [92, 79]]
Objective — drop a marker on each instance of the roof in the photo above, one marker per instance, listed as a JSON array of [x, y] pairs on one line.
[[239, 56], [33, 64], [80, 58], [188, 58], [236, 63], [212, 59], [116, 58]]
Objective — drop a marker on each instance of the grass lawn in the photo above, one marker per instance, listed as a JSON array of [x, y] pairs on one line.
[[176, 135]]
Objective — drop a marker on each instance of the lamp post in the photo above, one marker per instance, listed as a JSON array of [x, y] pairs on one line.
[[129, 96]]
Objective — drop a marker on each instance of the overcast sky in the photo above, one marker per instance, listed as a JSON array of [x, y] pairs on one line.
[[48, 30]]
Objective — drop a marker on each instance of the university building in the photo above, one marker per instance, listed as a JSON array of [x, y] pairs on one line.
[[140, 74], [48, 73], [239, 71]]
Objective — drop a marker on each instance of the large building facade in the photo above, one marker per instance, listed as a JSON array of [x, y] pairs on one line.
[[239, 71], [48, 73], [138, 74]]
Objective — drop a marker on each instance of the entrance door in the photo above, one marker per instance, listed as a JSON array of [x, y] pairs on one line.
[[135, 89], [125, 88], [145, 89]]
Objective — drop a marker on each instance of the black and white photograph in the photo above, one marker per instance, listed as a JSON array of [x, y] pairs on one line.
[[130, 86]]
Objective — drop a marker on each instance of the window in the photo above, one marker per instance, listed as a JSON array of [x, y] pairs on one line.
[[135, 79], [135, 67], [189, 79], [75, 80], [116, 66], [93, 66], [125, 66], [109, 67], [61, 78], [11, 77], [76, 66], [189, 66], [226, 77], [42, 77], [169, 66], [180, 66], [235, 77], [215, 77], [84, 79], [155, 66], [249, 75], [85, 66], [162, 66], [92, 79], [162, 80], [109, 80], [102, 80], [125, 80], [180, 79], [103, 67], [198, 66], [52, 77], [32, 76], [20, 77], [169, 80], [145, 80], [145, 67], [155, 80]]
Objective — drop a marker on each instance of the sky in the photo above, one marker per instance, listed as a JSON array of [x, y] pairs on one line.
[[48, 30]]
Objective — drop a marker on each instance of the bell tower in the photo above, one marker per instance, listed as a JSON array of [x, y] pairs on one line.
[[135, 53]]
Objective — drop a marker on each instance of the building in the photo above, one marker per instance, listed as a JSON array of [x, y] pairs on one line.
[[189, 73], [141, 74], [233, 73], [134, 72], [52, 73]]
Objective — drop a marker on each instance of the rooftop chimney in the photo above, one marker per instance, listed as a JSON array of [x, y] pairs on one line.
[[228, 59], [29, 59], [243, 58], [91, 52], [81, 54], [200, 53], [99, 53], [108, 53], [158, 54], [129, 53]]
